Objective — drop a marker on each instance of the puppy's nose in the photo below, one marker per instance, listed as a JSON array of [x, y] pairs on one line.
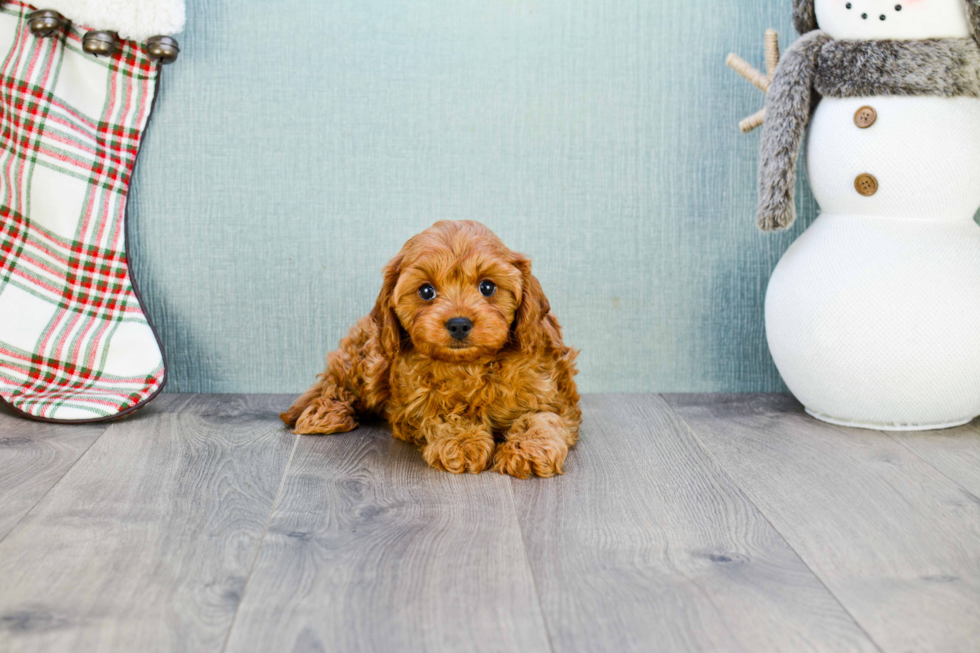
[[459, 327]]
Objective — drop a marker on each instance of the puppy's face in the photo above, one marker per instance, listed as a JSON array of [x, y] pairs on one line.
[[458, 291]]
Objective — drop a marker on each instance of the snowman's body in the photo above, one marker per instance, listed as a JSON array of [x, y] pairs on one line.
[[873, 315]]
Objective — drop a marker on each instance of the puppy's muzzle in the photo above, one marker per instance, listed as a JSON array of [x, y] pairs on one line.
[[459, 327]]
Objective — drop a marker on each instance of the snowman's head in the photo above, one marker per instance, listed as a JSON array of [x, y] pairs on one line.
[[890, 19]]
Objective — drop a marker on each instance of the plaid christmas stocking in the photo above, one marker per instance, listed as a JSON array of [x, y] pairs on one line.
[[75, 344]]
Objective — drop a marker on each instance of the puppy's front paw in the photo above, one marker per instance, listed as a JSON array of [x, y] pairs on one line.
[[467, 451], [536, 445], [325, 418], [524, 458]]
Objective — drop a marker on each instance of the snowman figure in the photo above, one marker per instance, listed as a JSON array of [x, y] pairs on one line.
[[873, 314]]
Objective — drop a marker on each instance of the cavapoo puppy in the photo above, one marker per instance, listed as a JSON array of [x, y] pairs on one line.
[[461, 355]]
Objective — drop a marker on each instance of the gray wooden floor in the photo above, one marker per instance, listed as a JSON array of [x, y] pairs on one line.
[[682, 523]]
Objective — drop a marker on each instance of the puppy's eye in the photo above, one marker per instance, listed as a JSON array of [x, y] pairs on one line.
[[427, 292], [488, 288]]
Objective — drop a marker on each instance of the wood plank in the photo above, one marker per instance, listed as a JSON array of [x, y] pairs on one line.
[[33, 457], [897, 542], [954, 452], [146, 543], [646, 545], [369, 549]]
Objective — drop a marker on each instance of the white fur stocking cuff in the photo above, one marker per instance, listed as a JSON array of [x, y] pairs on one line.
[[131, 19]]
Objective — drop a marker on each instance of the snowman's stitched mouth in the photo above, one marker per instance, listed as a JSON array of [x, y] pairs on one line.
[[864, 16]]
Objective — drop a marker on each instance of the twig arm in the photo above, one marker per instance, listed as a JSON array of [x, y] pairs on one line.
[[753, 121], [761, 81], [745, 69], [772, 52]]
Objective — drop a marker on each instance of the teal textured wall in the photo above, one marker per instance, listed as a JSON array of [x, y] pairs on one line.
[[297, 144]]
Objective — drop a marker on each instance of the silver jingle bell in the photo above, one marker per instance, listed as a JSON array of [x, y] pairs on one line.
[[162, 49], [45, 22], [101, 44]]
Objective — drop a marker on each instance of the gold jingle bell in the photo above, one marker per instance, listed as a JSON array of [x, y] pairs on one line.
[[101, 44], [45, 22], [162, 49]]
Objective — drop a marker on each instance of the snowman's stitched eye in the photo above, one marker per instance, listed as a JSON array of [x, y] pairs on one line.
[[898, 7], [884, 17], [849, 5], [427, 292]]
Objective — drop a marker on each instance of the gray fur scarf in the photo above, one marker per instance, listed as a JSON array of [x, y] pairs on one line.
[[817, 66]]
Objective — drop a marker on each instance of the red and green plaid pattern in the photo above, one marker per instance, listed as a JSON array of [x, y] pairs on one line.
[[75, 344]]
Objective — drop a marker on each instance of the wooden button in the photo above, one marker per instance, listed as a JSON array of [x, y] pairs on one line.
[[866, 185], [865, 117]]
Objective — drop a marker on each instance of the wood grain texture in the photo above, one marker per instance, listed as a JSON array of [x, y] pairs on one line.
[[646, 545], [146, 543], [33, 457], [896, 541], [371, 550], [954, 452]]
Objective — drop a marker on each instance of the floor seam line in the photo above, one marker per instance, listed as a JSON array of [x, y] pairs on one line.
[[258, 550], [762, 514], [930, 465], [530, 568], [56, 483]]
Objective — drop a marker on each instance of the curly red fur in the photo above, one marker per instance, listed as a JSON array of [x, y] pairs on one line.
[[504, 396]]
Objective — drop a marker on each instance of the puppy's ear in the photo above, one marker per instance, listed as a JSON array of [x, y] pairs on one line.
[[534, 326], [383, 314]]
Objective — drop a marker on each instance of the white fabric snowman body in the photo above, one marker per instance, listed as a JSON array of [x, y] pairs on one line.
[[873, 314]]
